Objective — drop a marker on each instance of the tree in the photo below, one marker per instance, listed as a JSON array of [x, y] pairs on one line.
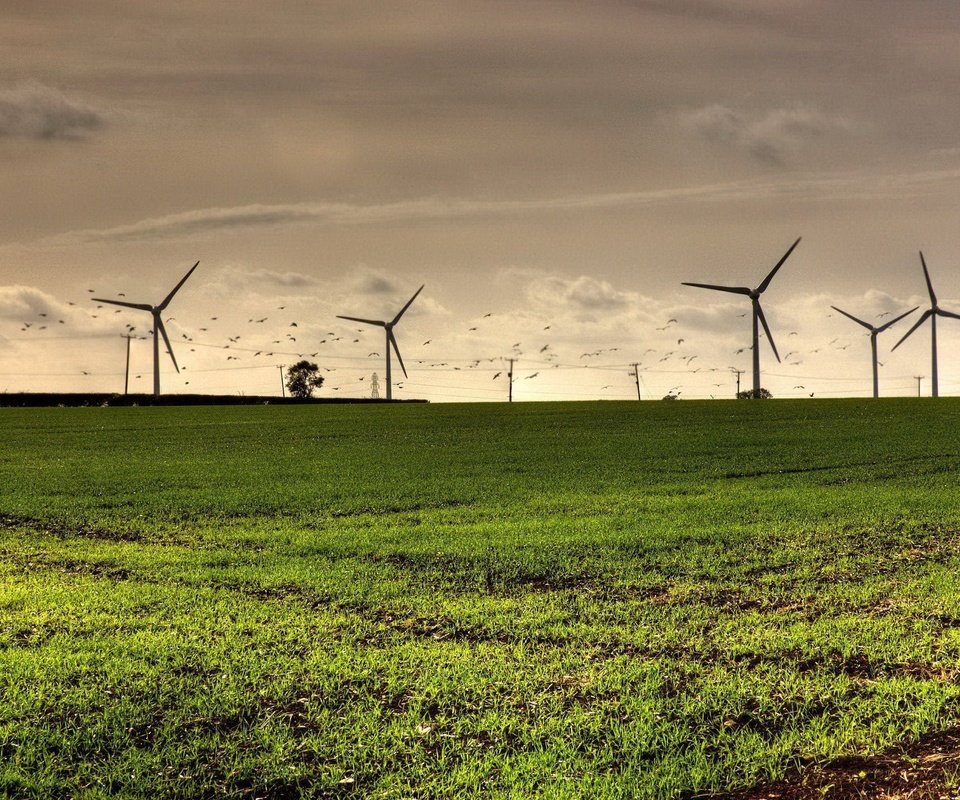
[[747, 394], [303, 378]]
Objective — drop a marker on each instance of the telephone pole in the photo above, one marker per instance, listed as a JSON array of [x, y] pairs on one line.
[[918, 378], [739, 372], [636, 377], [283, 388], [510, 382]]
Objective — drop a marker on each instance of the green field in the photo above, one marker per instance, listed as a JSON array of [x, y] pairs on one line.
[[536, 600]]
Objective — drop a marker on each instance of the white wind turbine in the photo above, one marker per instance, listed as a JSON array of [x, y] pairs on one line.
[[158, 329], [874, 331], [931, 313], [754, 295], [391, 339]]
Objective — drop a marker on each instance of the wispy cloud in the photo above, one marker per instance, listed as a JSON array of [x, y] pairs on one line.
[[34, 111], [199, 222]]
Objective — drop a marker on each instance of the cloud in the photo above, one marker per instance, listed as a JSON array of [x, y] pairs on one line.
[[823, 187], [17, 302], [772, 137], [582, 294], [281, 280], [34, 111], [371, 281]]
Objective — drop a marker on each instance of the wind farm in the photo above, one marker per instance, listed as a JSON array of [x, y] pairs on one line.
[[598, 497]]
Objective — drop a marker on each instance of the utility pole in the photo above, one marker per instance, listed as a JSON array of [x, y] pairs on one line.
[[126, 375], [510, 382], [739, 373], [918, 378], [283, 388], [636, 377]]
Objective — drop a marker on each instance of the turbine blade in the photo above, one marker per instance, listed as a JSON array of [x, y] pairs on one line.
[[766, 281], [396, 349], [183, 280], [933, 295], [396, 319], [950, 314], [766, 328], [166, 339], [379, 322], [917, 324], [866, 325], [896, 319], [733, 289], [138, 306]]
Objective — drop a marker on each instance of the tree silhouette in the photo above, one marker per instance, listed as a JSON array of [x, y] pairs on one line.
[[748, 394], [303, 378]]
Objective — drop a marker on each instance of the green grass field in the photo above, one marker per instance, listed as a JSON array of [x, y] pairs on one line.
[[536, 600]]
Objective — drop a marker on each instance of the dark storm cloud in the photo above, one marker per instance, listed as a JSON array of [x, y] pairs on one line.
[[34, 111]]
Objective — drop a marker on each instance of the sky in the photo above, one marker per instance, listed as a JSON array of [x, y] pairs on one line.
[[549, 171]]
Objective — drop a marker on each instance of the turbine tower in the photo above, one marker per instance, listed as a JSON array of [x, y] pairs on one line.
[[754, 295], [158, 329], [873, 339], [931, 313], [391, 339]]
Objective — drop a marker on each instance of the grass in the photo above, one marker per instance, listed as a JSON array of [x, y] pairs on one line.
[[537, 600]]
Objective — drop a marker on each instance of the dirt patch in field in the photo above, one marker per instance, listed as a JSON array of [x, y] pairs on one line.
[[13, 522], [928, 769]]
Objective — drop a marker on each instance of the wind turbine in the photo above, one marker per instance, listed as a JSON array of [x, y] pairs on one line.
[[158, 329], [873, 338], [391, 339], [754, 295], [932, 313]]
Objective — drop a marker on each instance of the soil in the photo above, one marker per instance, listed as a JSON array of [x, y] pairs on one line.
[[928, 769]]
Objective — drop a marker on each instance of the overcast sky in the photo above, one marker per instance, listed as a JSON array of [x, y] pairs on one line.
[[558, 166]]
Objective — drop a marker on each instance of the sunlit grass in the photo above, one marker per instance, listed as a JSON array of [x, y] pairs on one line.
[[614, 600]]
